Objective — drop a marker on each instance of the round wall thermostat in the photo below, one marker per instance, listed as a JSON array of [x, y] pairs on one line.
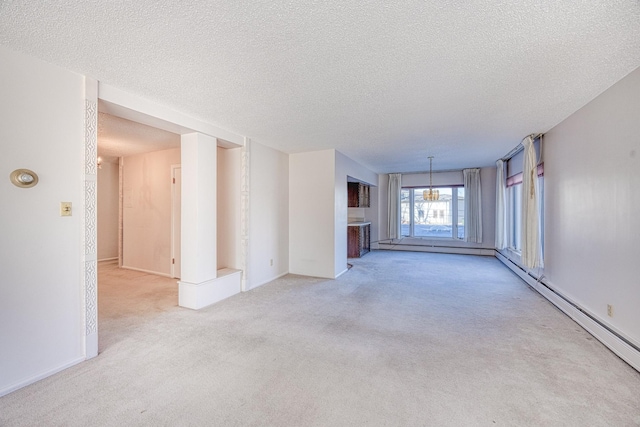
[[24, 178]]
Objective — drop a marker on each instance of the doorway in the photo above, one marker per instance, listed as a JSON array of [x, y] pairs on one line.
[[113, 101], [138, 223]]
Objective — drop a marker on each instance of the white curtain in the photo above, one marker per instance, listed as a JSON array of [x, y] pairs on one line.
[[501, 206], [530, 237], [472, 206], [395, 188]]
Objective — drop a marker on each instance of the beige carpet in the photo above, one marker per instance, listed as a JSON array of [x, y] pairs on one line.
[[401, 339]]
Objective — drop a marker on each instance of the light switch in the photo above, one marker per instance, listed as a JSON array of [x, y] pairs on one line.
[[65, 208]]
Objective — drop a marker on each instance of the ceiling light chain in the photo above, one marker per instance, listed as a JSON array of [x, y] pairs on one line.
[[431, 194]]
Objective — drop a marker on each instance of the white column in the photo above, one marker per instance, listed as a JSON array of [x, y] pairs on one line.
[[201, 283], [199, 185]]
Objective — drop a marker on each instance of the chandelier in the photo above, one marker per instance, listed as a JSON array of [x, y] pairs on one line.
[[430, 194]]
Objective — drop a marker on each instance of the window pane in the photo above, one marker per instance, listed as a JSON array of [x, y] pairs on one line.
[[515, 210], [432, 219], [405, 208], [541, 211], [460, 212]]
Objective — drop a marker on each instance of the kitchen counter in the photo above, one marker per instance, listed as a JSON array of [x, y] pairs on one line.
[[358, 223]]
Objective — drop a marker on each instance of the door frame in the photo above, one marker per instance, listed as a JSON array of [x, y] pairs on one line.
[[105, 98], [175, 228]]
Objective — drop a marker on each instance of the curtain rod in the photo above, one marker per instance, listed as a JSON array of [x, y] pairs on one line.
[[427, 172], [520, 147]]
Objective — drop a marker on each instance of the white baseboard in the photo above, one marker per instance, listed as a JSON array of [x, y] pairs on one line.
[[613, 340], [342, 272], [200, 295], [142, 270], [91, 345], [39, 377], [436, 249], [268, 281]]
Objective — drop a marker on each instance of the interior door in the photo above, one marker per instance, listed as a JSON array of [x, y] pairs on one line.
[[176, 196]]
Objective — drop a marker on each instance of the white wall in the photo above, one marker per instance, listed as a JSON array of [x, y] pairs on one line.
[[146, 213], [318, 211], [108, 207], [41, 314], [269, 215], [382, 191], [592, 204], [312, 213], [439, 178], [228, 224]]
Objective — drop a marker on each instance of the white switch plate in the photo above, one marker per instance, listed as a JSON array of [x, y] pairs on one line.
[[65, 208]]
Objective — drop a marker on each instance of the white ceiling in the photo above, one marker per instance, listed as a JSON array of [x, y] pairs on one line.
[[386, 83], [118, 137]]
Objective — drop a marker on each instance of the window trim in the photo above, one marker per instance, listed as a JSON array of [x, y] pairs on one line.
[[517, 178], [454, 213]]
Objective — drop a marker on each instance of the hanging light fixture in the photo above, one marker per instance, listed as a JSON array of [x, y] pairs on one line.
[[430, 194]]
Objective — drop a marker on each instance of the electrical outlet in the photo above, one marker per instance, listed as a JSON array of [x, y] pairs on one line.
[[609, 310], [271, 262]]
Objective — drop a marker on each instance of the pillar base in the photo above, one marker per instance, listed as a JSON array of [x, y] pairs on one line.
[[200, 295]]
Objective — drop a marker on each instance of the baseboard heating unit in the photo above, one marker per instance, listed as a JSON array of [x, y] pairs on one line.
[[616, 342]]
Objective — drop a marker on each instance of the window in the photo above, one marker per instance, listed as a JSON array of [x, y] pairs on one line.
[[514, 216], [514, 212], [442, 218], [541, 211], [460, 212]]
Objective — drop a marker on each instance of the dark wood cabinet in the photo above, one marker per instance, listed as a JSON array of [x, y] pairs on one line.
[[358, 240], [358, 195]]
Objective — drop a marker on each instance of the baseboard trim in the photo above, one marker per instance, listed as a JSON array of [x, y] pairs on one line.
[[341, 273], [436, 249], [142, 270], [108, 259], [200, 295], [614, 341], [267, 281], [91, 345], [39, 377]]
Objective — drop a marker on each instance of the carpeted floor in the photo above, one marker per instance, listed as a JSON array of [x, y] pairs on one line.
[[401, 339]]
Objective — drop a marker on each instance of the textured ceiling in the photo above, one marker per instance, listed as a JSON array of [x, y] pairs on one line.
[[118, 137], [386, 83]]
